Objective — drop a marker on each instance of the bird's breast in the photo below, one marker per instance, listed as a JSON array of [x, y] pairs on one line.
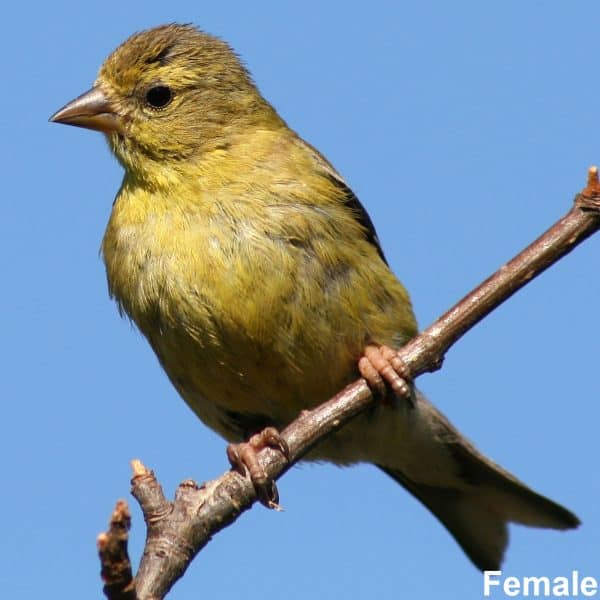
[[243, 322]]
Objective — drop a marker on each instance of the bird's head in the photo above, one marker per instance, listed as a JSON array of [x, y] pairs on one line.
[[170, 93]]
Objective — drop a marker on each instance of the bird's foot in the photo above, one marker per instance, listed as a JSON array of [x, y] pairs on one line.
[[244, 459], [381, 367]]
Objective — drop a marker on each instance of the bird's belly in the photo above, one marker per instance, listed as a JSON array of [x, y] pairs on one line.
[[257, 394], [238, 386]]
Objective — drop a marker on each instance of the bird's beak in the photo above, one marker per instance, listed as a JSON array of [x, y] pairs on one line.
[[92, 110]]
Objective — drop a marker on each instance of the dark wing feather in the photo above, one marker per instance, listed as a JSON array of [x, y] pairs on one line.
[[361, 215], [350, 198]]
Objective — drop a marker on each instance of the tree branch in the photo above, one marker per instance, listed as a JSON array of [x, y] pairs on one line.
[[178, 530], [112, 548]]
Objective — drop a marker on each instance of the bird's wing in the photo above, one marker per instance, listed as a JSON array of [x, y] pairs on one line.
[[350, 198]]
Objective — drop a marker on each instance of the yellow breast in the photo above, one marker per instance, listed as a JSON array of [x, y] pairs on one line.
[[256, 303]]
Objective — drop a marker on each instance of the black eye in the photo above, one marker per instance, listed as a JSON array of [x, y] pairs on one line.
[[159, 96]]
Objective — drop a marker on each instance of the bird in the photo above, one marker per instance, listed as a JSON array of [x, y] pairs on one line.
[[258, 279]]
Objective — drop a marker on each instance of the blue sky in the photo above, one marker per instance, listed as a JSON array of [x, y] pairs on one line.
[[465, 128]]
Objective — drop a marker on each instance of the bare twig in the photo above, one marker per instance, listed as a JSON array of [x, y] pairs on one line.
[[112, 548], [426, 351], [178, 531]]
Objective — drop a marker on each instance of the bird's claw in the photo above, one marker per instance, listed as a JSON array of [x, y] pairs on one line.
[[381, 367], [244, 459]]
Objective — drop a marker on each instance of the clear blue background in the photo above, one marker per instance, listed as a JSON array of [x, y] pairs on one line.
[[465, 128]]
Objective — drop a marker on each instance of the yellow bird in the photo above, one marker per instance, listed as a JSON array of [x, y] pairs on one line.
[[257, 277]]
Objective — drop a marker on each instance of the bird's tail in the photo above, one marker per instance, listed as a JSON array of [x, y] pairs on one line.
[[477, 515]]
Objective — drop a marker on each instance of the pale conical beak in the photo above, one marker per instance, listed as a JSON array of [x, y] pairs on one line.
[[92, 110]]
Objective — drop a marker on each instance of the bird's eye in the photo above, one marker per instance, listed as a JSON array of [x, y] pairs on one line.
[[159, 96]]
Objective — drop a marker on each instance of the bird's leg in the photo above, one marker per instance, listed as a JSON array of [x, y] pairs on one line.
[[244, 459], [381, 367]]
